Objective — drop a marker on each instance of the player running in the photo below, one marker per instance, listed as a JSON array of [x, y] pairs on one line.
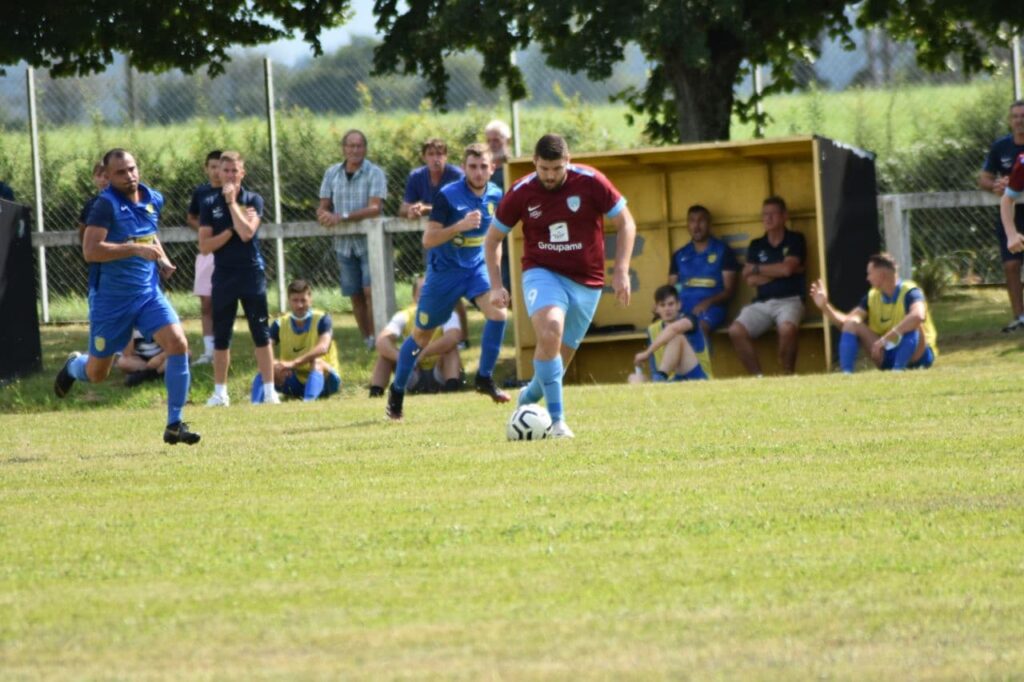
[[125, 263], [459, 219], [563, 208]]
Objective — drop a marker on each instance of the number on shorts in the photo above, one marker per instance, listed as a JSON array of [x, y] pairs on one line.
[[531, 296]]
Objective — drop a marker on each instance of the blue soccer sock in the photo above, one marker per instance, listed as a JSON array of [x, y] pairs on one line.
[[905, 350], [849, 346], [407, 356], [176, 379], [256, 392], [76, 368], [314, 385], [531, 393], [549, 372], [490, 346]]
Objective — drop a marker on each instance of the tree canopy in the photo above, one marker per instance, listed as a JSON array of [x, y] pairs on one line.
[[699, 50], [78, 38]]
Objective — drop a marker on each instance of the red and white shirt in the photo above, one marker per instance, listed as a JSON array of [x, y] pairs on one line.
[[563, 229]]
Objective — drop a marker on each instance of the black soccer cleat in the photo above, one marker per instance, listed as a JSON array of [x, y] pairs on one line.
[[64, 381], [179, 433], [376, 391], [487, 386], [395, 400]]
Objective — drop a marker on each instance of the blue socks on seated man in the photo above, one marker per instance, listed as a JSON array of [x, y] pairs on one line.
[[314, 385], [905, 350], [849, 346], [549, 374], [176, 379]]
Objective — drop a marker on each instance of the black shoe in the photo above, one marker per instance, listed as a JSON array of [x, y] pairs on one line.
[[487, 386], [394, 408], [376, 391], [64, 381], [451, 386], [179, 433], [135, 378]]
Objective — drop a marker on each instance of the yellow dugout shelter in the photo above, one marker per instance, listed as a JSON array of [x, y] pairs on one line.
[[831, 196]]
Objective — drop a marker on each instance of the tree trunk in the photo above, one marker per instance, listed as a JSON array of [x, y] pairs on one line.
[[704, 94]]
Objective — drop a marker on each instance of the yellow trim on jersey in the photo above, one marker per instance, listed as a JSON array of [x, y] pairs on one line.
[[883, 316], [466, 242], [290, 341], [701, 282], [410, 319]]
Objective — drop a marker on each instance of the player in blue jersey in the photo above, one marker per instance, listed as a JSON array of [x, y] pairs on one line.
[[705, 271], [125, 263], [459, 219], [228, 225]]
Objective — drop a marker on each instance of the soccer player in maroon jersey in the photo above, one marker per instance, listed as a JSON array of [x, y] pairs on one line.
[[563, 208], [1008, 205]]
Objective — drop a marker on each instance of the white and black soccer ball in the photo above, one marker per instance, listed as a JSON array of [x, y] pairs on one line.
[[529, 422]]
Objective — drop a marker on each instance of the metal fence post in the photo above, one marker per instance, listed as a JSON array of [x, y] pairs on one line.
[[268, 78], [897, 232], [382, 274], [37, 187], [1015, 43]]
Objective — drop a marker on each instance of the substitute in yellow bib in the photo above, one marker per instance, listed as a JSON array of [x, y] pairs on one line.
[[307, 360], [891, 323]]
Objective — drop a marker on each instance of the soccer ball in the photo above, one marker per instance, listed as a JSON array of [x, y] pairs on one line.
[[528, 422]]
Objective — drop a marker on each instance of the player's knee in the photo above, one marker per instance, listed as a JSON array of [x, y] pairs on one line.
[[851, 327], [737, 332], [787, 332], [497, 314]]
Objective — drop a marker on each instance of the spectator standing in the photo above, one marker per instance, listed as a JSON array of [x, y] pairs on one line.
[[425, 182], [353, 190], [203, 284], [993, 178]]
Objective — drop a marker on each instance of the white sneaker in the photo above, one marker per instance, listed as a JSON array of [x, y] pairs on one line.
[[561, 430], [218, 401], [203, 359], [271, 398]]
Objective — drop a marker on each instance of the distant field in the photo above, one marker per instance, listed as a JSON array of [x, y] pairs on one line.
[[818, 526]]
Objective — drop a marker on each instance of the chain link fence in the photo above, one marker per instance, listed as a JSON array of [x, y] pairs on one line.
[[930, 133]]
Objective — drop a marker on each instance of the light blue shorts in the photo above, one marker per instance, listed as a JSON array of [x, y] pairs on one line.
[[543, 288]]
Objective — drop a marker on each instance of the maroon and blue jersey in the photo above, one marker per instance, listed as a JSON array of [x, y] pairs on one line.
[[563, 229]]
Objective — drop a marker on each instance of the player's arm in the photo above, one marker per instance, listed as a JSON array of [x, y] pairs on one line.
[[437, 234], [820, 297], [988, 182], [323, 343], [96, 248], [499, 296], [210, 242], [447, 341], [790, 265], [412, 210], [723, 296], [1007, 209], [683, 325], [625, 228]]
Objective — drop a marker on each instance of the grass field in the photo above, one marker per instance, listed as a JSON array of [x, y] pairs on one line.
[[810, 527]]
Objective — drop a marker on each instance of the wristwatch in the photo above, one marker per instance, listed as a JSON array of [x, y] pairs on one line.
[[344, 216]]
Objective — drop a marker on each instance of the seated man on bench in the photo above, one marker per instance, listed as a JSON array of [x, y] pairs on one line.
[[775, 267]]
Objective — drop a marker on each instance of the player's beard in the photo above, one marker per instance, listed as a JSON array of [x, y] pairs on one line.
[[476, 188]]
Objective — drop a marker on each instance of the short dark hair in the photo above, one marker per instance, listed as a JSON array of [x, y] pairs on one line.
[[435, 143], [551, 147], [476, 149], [883, 260], [1017, 103], [665, 291], [213, 156], [115, 153], [299, 286], [697, 208], [775, 200], [97, 168]]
